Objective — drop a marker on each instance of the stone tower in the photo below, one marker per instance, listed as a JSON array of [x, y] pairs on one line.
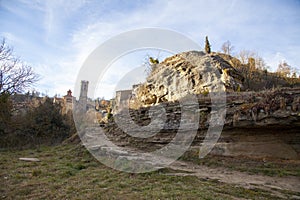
[[83, 91], [83, 94]]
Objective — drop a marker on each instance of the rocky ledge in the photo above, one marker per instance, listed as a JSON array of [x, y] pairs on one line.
[[257, 124]]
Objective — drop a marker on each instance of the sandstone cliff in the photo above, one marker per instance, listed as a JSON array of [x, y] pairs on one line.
[[192, 72], [257, 124]]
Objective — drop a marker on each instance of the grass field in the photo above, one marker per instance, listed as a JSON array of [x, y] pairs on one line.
[[70, 172]]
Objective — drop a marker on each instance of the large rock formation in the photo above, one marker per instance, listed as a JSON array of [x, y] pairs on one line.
[[192, 72], [257, 124]]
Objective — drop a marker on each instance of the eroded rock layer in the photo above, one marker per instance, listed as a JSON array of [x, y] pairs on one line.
[[192, 72], [257, 124]]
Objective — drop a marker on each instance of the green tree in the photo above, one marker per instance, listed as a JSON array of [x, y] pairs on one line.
[[150, 64], [207, 45], [153, 61]]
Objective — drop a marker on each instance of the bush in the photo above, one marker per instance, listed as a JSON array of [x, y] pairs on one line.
[[41, 125], [5, 112]]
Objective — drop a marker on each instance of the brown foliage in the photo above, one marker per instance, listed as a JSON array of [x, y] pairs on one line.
[[256, 75]]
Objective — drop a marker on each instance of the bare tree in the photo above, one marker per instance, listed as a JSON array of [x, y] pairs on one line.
[[247, 66], [247, 57], [227, 48], [260, 63], [150, 63], [244, 56], [284, 69], [15, 76]]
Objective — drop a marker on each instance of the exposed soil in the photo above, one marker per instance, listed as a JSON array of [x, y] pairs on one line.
[[276, 185]]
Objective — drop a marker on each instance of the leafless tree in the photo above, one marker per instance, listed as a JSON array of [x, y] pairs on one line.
[[284, 69], [227, 48], [15, 75], [244, 56], [150, 63], [260, 63]]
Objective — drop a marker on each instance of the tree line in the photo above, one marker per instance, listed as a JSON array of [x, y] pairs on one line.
[[256, 73]]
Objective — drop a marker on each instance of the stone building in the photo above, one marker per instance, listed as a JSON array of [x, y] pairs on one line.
[[68, 101], [121, 100], [23, 102]]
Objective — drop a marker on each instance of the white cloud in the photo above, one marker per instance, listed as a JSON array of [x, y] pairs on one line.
[[57, 14], [73, 29], [274, 59], [221, 20]]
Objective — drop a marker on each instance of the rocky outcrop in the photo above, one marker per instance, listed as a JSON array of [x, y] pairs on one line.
[[257, 124], [192, 72]]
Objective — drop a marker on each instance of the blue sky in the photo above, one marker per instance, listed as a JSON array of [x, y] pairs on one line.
[[56, 36]]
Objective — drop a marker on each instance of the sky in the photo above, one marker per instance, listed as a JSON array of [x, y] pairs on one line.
[[55, 37]]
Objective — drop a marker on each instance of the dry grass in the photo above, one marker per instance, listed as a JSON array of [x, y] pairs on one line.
[[70, 172], [267, 167]]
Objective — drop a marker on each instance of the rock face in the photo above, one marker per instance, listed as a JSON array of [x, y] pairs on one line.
[[257, 124], [192, 72]]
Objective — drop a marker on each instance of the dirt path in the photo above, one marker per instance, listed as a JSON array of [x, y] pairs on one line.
[[273, 184], [279, 186]]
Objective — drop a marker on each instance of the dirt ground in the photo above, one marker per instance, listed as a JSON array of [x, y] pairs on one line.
[[273, 184]]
